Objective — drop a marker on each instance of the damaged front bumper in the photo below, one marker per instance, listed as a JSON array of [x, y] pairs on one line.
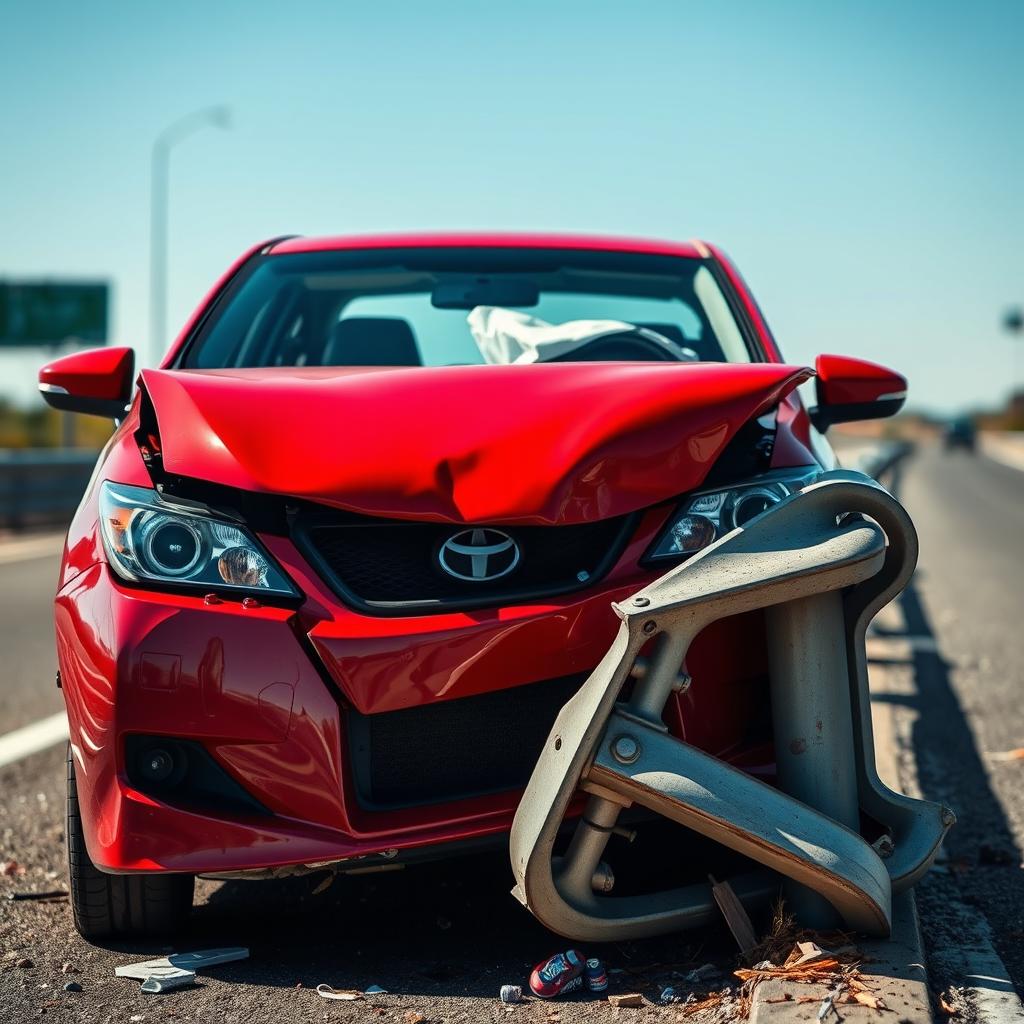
[[821, 563]]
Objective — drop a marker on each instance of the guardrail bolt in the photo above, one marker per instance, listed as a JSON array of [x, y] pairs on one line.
[[625, 749], [641, 601]]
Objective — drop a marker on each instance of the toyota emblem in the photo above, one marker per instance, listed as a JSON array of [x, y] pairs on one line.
[[479, 555]]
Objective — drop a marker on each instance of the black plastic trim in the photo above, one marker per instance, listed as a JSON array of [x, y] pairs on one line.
[[304, 524], [201, 782]]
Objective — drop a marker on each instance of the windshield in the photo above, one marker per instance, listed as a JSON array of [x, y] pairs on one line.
[[417, 307]]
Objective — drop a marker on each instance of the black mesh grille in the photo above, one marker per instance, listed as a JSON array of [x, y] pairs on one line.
[[454, 749], [389, 564]]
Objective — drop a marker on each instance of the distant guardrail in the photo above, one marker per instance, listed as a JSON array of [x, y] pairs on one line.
[[42, 486], [884, 457]]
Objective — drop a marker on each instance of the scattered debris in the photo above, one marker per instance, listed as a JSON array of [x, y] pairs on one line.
[[52, 894], [511, 993], [69, 968], [72, 986], [24, 963], [630, 999], [324, 885], [414, 1017], [559, 974], [10, 867], [595, 975], [669, 995], [735, 914], [809, 962], [376, 990], [701, 974], [951, 1008], [179, 969], [1007, 755], [155, 986], [828, 1005], [328, 992], [694, 1005], [809, 952]]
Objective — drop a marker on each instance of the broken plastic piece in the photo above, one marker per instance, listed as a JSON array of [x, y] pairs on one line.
[[180, 965], [169, 982], [329, 992]]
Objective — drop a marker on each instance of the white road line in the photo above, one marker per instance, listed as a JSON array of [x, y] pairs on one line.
[[30, 739], [31, 547]]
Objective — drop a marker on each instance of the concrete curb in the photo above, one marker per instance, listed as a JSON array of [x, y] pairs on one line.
[[894, 968]]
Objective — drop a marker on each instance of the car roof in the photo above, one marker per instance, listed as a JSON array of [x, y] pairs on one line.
[[500, 240]]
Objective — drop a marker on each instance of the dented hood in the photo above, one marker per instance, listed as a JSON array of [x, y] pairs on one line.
[[540, 444]]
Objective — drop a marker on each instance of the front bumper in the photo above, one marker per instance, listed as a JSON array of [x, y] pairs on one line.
[[271, 693]]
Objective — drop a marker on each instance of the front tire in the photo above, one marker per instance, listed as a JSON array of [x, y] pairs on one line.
[[119, 906]]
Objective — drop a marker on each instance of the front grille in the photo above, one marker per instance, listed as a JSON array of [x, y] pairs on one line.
[[393, 565], [454, 749]]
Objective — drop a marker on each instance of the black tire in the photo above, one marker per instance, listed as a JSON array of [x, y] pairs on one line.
[[119, 906]]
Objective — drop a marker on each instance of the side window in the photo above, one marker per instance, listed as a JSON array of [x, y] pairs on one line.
[[716, 308]]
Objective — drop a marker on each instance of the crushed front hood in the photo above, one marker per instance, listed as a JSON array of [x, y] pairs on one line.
[[541, 444]]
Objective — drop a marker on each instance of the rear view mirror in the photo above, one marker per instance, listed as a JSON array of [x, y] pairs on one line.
[[485, 291], [854, 389], [97, 382]]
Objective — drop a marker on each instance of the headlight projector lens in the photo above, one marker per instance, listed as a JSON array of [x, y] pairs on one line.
[[172, 546], [752, 504]]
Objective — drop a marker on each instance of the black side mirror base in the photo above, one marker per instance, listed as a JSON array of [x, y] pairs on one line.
[[824, 416], [111, 409]]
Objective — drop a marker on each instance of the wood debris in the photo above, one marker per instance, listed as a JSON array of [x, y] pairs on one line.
[[735, 914], [627, 999], [809, 963], [1008, 755]]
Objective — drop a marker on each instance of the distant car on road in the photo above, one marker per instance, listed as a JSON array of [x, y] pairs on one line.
[[960, 433], [356, 541]]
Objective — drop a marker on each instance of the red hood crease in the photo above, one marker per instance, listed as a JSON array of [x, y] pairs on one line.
[[546, 444]]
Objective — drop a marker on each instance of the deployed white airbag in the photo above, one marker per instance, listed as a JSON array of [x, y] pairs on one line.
[[505, 336]]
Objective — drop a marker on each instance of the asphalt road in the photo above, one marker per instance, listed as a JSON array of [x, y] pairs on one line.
[[444, 938]]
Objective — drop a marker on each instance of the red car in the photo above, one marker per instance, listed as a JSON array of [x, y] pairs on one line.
[[350, 549]]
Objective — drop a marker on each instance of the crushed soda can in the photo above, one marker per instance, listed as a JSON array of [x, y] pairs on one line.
[[558, 975], [595, 975], [511, 993]]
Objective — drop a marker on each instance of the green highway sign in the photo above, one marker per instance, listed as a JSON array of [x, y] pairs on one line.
[[53, 313]]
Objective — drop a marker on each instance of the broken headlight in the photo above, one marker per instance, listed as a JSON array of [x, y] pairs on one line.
[[704, 516], [148, 539]]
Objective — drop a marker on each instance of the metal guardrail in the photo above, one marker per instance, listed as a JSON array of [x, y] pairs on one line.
[[42, 486], [884, 457]]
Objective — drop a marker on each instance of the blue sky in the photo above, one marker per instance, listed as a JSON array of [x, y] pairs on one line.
[[862, 162]]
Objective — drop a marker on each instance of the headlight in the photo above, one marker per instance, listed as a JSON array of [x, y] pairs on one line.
[[148, 539], [704, 516]]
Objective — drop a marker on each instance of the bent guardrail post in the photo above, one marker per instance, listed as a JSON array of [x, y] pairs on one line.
[[822, 562]]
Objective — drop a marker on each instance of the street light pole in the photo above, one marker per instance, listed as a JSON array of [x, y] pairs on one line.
[[174, 133]]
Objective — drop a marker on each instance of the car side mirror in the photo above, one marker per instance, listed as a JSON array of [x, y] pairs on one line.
[[854, 389], [97, 382]]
